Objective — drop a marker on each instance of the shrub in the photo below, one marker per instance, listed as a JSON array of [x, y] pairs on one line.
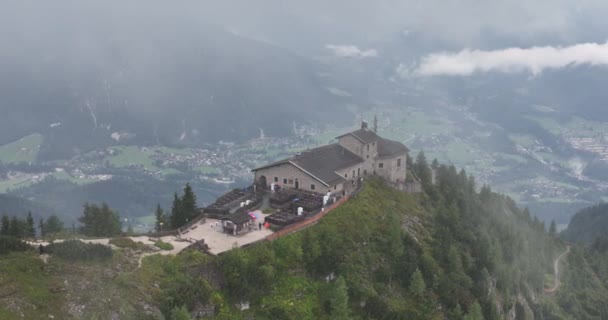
[[268, 210], [12, 244], [124, 243], [163, 245], [77, 250]]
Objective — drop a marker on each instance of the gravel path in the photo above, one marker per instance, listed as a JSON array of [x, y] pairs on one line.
[[556, 284]]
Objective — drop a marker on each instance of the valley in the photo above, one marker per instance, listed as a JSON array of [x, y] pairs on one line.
[[521, 165]]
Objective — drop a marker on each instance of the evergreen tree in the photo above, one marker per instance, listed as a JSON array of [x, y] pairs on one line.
[[180, 313], [553, 229], [6, 225], [188, 204], [160, 219], [417, 285], [485, 194], [54, 225], [177, 217], [435, 164], [422, 170], [338, 300], [409, 164], [474, 313], [16, 227], [42, 227], [100, 221], [31, 230], [455, 313]]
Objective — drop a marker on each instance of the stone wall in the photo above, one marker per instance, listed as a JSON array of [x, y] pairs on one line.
[[390, 171]]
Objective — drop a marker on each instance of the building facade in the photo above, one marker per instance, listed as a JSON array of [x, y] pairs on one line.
[[336, 168]]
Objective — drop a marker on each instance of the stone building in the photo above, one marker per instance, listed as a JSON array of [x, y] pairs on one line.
[[336, 167]]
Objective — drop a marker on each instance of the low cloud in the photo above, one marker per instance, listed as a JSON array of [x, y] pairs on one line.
[[350, 51], [533, 60]]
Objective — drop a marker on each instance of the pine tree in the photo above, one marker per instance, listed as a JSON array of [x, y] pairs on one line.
[[474, 313], [417, 285], [422, 170], [160, 219], [435, 164], [553, 229], [455, 313], [485, 194], [338, 300], [31, 230], [6, 225], [54, 225], [177, 217], [409, 164], [100, 221], [188, 204], [180, 313], [42, 227], [16, 227]]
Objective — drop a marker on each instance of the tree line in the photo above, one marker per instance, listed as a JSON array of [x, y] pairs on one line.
[[26, 228]]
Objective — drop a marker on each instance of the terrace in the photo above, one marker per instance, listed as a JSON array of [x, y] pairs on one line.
[[294, 206]]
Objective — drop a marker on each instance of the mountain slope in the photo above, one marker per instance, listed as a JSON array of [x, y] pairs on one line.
[[154, 81], [13, 205], [587, 225], [448, 252]]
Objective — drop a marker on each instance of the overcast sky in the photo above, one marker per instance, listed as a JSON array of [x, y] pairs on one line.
[[346, 28]]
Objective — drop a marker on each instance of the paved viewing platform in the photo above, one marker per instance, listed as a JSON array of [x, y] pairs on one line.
[[217, 240]]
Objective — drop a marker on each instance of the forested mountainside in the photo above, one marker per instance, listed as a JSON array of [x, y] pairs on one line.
[[450, 252], [587, 225], [584, 285], [189, 83]]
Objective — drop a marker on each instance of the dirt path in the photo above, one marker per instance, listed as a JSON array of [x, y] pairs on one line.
[[556, 272]]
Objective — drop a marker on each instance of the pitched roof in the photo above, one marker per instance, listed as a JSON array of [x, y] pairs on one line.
[[363, 135], [238, 217], [322, 163], [387, 148]]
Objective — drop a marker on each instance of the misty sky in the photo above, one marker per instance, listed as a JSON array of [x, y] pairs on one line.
[[346, 28]]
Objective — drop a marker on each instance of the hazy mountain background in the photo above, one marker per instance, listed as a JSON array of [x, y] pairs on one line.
[[80, 78]]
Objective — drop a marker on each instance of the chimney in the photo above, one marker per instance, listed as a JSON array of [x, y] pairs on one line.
[[364, 125]]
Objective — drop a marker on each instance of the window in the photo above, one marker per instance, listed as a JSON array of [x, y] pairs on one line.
[[368, 148], [398, 162], [353, 173], [276, 179], [368, 156], [312, 187], [380, 165], [364, 172], [346, 175], [335, 186], [284, 181], [358, 172]]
